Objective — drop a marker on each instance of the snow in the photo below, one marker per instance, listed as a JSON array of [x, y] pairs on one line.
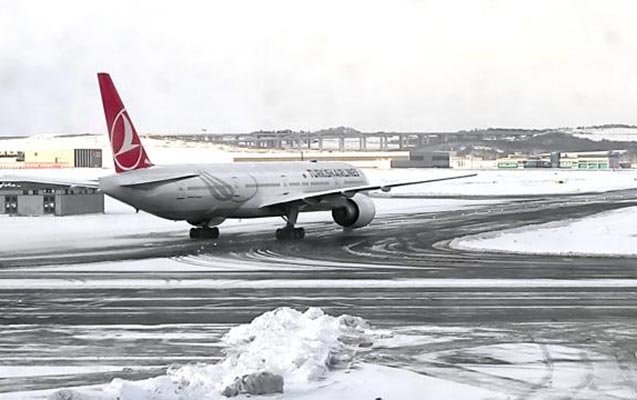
[[512, 353], [504, 183], [315, 353], [194, 283], [159, 151], [572, 237], [621, 134], [298, 346], [366, 381], [48, 233], [372, 381], [53, 141], [556, 369]]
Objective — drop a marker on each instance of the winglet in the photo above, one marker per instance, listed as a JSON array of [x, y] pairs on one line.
[[128, 151]]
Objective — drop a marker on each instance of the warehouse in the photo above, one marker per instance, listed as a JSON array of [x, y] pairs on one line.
[[20, 196]]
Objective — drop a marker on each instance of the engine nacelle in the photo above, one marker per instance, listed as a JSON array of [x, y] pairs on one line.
[[358, 211]]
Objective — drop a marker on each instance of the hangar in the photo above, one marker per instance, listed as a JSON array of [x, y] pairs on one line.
[[23, 196]]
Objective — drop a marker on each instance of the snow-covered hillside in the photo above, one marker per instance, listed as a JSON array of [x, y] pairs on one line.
[[619, 134]]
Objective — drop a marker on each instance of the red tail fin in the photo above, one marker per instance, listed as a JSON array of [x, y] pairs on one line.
[[128, 152]]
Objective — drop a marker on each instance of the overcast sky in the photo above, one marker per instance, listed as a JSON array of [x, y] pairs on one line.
[[238, 66]]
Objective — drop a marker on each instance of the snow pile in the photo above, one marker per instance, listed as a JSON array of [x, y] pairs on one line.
[[298, 347]]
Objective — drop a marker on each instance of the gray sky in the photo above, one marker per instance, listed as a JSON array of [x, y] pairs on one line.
[[238, 66]]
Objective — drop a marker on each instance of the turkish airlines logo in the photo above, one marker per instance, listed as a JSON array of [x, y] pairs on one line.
[[127, 154]]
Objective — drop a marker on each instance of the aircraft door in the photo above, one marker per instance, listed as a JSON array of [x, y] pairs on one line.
[[338, 181]]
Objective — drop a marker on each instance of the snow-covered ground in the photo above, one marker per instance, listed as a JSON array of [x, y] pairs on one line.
[[507, 182], [320, 356], [612, 233], [315, 354]]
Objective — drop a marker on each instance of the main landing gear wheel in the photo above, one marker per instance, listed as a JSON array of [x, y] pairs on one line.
[[290, 233], [204, 233]]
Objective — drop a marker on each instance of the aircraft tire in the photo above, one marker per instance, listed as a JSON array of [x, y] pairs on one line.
[[211, 233], [290, 233], [281, 234], [204, 233]]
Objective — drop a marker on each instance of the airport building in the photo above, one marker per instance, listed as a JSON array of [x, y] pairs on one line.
[[22, 197], [591, 160], [11, 157], [583, 160], [422, 158], [51, 158]]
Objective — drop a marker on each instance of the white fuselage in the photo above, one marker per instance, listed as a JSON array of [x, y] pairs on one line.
[[222, 191]]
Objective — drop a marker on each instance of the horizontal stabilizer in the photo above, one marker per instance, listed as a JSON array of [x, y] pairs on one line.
[[155, 179]]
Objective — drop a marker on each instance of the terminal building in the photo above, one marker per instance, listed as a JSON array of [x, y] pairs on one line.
[[19, 196]]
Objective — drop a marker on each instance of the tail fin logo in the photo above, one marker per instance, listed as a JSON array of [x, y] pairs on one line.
[[127, 154], [128, 151]]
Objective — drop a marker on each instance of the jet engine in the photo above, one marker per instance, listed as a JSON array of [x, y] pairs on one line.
[[357, 212]]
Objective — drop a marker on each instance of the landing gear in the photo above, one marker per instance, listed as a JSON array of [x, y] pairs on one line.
[[204, 233], [290, 232]]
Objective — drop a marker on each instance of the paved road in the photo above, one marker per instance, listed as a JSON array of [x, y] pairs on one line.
[[398, 273]]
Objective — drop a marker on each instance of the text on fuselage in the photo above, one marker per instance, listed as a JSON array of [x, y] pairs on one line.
[[332, 172]]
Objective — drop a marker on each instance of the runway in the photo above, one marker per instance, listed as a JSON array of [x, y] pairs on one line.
[[459, 315]]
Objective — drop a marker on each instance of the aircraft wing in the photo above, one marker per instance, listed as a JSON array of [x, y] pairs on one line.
[[15, 179], [315, 197]]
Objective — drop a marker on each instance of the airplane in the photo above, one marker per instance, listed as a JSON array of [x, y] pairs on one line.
[[205, 195]]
